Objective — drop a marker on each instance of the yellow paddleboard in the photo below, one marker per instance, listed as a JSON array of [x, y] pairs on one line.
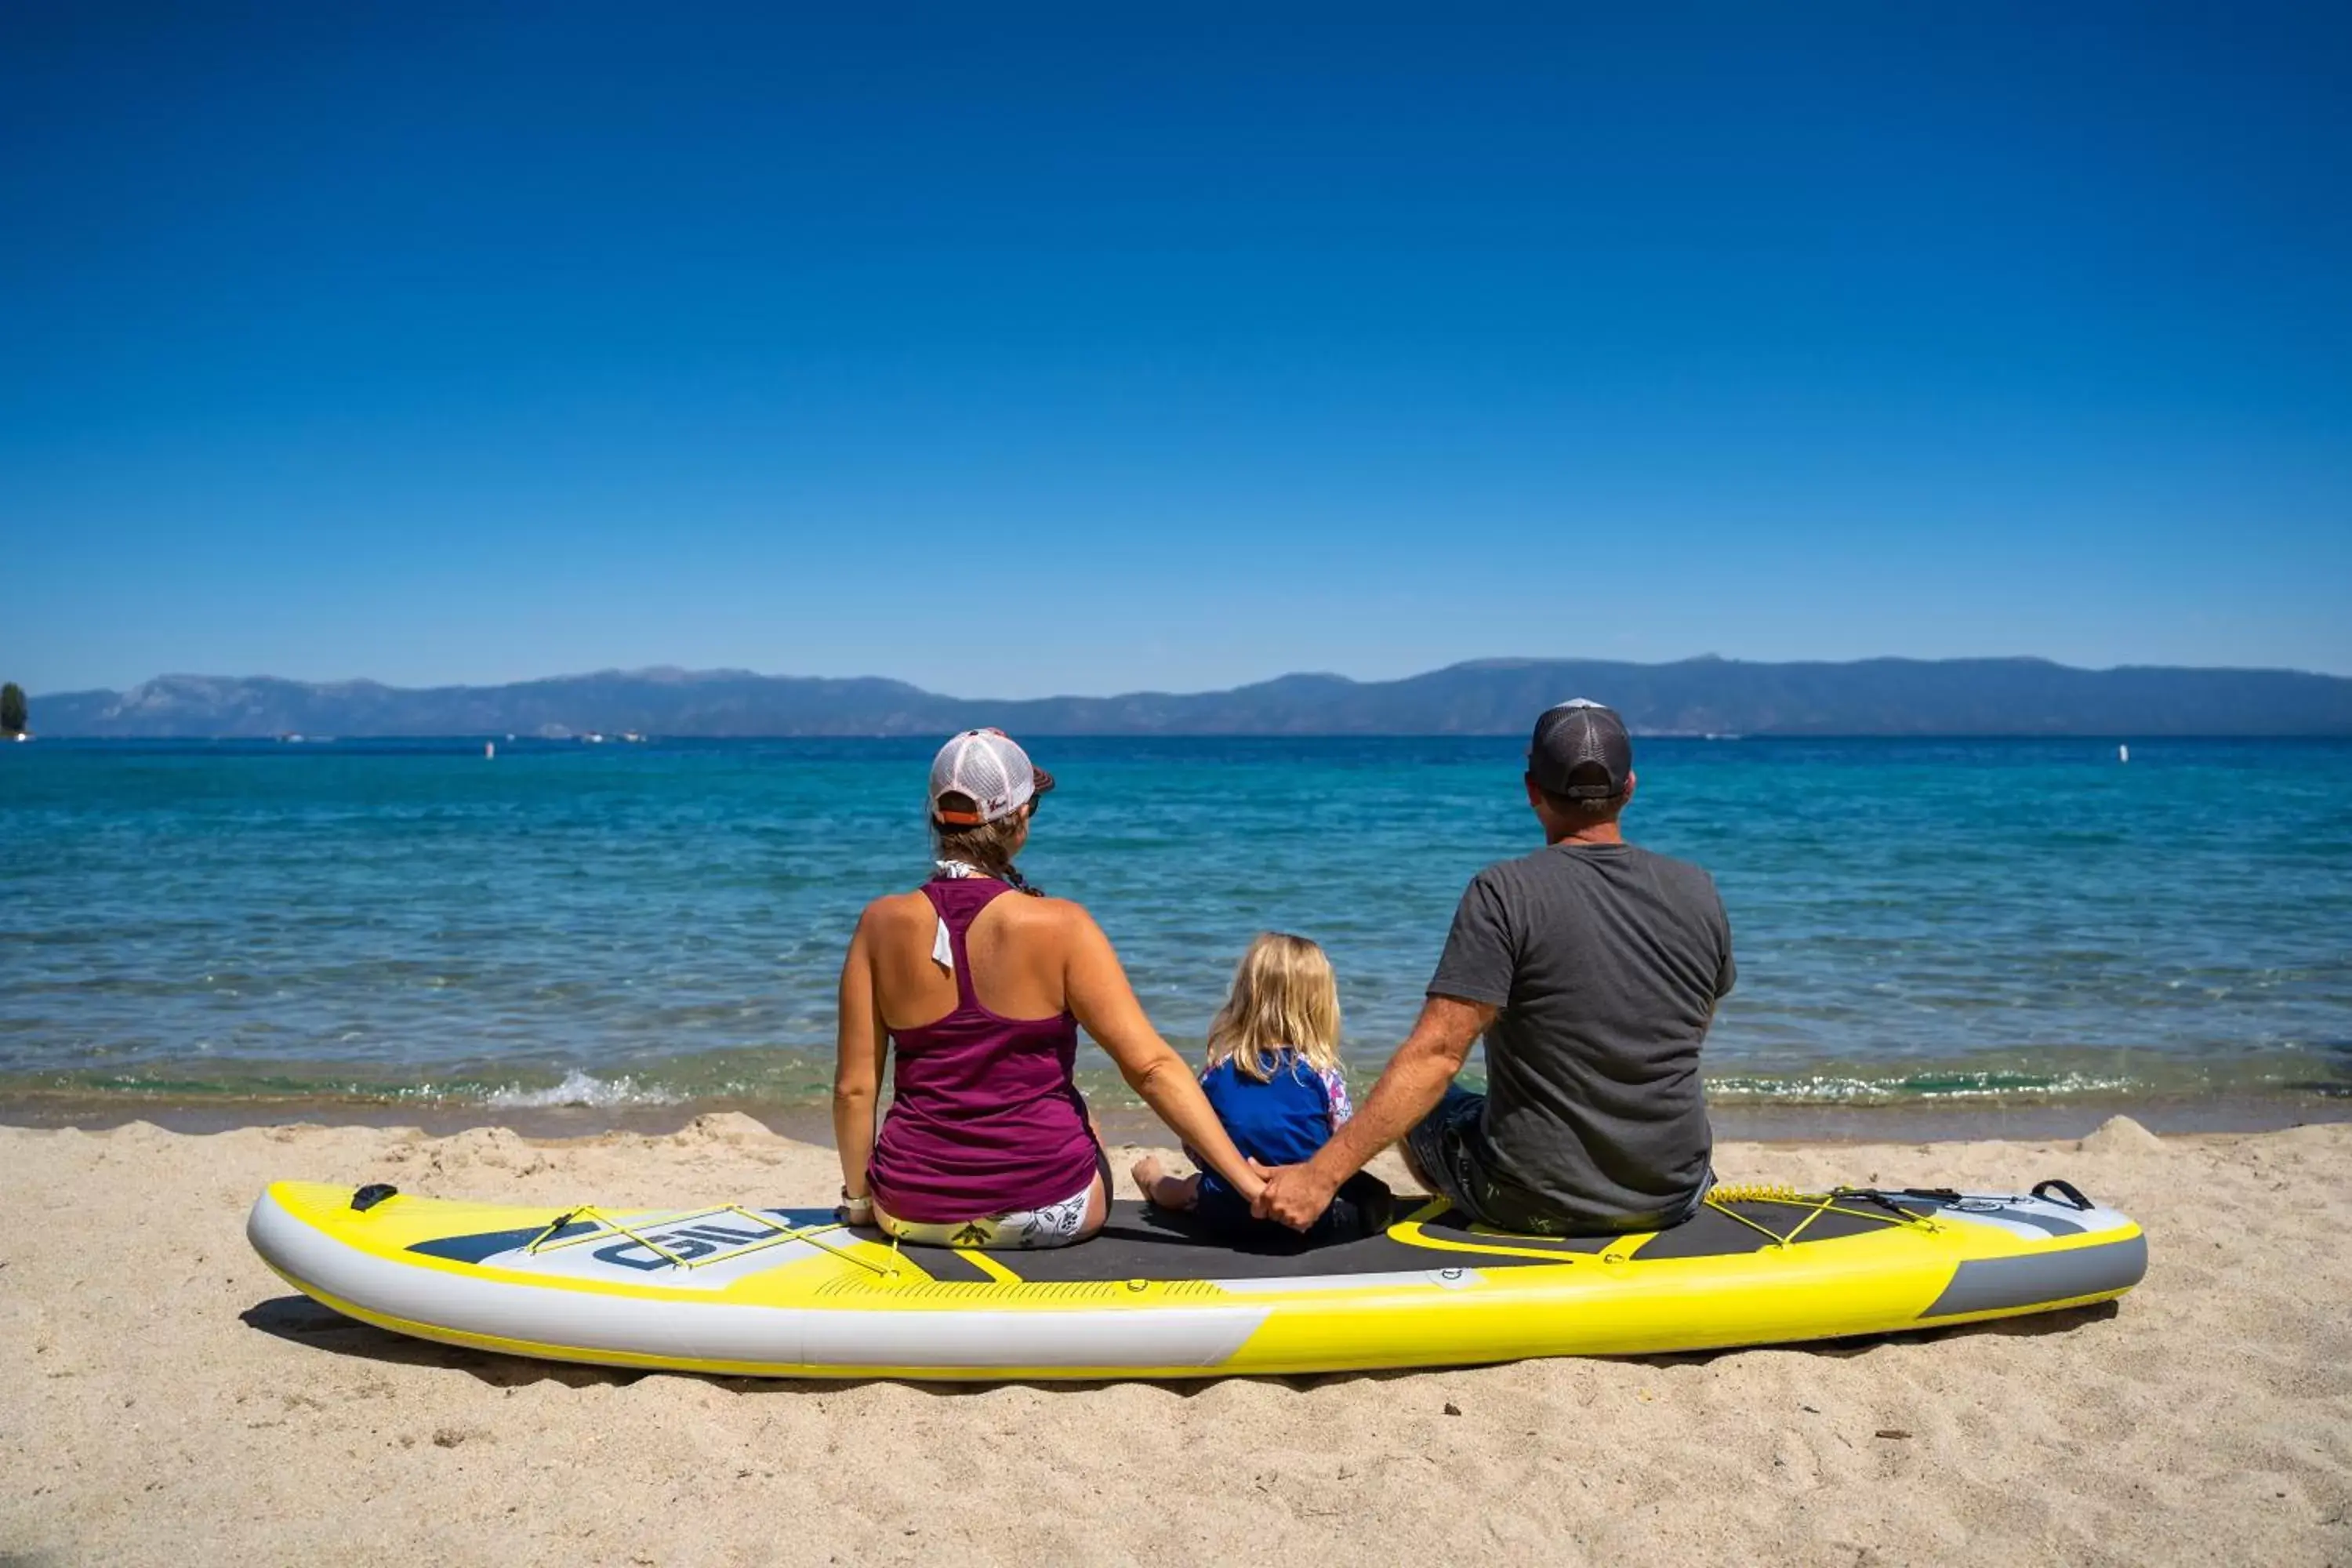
[[765, 1291]]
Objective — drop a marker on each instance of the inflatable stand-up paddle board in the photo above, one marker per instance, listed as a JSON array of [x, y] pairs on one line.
[[790, 1292]]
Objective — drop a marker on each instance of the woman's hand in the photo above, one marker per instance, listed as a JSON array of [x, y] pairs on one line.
[[1264, 1173]]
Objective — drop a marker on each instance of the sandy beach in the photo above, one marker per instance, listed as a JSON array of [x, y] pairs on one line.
[[164, 1398]]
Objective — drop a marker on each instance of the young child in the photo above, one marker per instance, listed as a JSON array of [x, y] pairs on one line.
[[1274, 1080]]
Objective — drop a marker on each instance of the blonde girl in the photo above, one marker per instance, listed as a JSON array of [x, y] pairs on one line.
[[1272, 1077]]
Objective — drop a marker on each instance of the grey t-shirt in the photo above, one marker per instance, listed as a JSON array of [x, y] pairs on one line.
[[1606, 962]]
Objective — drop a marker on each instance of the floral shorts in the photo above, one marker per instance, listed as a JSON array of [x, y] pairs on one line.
[[1017, 1230]]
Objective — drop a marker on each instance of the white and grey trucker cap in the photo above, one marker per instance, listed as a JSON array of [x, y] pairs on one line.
[[986, 768]]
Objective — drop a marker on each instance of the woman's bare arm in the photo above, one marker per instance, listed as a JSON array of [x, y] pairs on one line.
[[863, 1045], [1106, 1008]]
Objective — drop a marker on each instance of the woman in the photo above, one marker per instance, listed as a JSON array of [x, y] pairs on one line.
[[988, 1142]]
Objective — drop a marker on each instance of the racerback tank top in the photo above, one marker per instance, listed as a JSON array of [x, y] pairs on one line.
[[985, 1116]]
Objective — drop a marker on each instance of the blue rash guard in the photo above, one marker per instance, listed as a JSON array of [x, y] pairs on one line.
[[1282, 1121]]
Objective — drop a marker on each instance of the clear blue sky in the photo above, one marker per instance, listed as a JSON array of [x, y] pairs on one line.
[[1011, 353]]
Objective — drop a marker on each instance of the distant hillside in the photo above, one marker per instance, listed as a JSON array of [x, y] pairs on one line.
[[1701, 696]]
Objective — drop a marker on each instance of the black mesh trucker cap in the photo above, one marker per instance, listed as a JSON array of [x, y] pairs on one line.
[[1581, 735]]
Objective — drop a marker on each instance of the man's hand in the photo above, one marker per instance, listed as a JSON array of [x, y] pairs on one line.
[[1295, 1196]]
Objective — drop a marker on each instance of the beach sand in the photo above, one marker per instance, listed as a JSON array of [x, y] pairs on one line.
[[164, 1398]]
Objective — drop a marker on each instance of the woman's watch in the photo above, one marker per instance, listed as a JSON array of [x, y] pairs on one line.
[[851, 1207]]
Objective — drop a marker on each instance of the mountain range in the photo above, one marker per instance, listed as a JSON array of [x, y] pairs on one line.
[[1697, 696]]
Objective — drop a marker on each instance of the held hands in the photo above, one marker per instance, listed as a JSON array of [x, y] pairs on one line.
[[1255, 1184], [1295, 1196]]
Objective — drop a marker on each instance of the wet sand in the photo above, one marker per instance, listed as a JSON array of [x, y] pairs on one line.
[[164, 1398]]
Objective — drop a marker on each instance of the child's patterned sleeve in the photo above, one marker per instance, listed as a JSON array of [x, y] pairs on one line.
[[1335, 1089]]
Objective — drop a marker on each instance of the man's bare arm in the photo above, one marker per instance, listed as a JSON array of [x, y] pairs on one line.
[[1409, 1088]]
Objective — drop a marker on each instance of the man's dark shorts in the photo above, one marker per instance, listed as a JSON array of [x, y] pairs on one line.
[[1448, 1146]]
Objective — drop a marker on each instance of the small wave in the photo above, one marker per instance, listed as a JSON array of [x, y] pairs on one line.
[[1830, 1089], [580, 1089]]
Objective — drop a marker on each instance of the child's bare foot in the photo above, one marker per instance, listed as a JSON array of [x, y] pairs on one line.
[[1161, 1190]]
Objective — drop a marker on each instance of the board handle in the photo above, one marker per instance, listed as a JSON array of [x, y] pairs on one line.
[[2068, 1194]]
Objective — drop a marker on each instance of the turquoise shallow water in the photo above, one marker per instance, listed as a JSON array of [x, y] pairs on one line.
[[407, 922]]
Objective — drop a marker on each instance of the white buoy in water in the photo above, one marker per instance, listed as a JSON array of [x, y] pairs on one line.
[[2123, 753], [489, 748]]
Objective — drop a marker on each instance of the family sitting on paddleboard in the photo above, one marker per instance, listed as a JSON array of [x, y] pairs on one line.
[[1591, 967]]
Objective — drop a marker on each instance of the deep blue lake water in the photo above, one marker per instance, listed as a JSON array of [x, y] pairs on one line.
[[1973, 920]]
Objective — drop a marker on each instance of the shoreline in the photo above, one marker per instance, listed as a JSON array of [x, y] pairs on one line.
[[810, 1122], [172, 1397]]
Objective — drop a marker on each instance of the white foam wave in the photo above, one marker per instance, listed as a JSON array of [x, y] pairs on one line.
[[1841, 1090], [580, 1089]]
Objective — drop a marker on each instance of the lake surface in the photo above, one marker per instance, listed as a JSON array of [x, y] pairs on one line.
[[1917, 922]]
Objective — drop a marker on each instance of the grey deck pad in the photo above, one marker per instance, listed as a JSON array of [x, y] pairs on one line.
[[1143, 1243]]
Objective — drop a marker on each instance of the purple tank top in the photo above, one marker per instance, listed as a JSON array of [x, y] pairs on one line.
[[985, 1117]]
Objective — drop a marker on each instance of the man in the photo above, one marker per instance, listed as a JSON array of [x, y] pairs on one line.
[[1592, 967]]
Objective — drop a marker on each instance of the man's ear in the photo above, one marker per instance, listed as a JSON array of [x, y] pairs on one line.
[[1631, 778], [1538, 804]]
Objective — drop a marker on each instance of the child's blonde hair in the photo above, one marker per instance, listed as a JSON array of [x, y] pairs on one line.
[[1284, 994]]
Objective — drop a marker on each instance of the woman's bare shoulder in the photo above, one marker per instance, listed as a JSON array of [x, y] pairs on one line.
[[1063, 918], [1030, 912], [894, 909]]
